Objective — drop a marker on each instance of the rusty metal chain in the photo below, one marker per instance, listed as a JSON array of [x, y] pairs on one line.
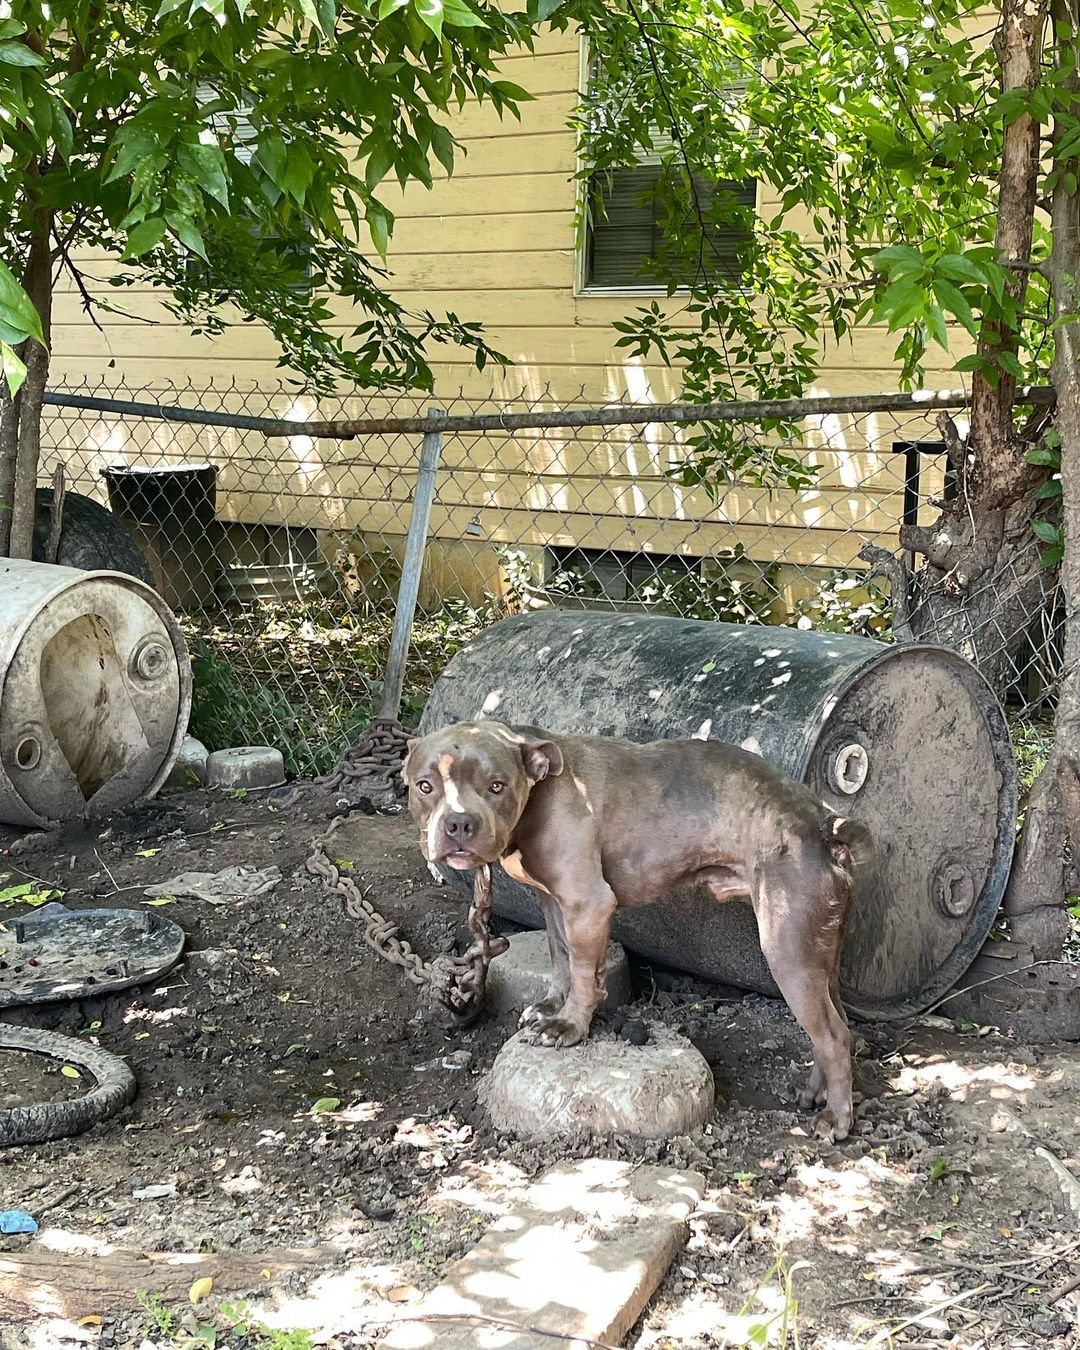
[[375, 761], [457, 982]]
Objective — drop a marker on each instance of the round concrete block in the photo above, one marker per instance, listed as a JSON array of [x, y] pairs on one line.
[[190, 767], [520, 976], [247, 766], [653, 1091]]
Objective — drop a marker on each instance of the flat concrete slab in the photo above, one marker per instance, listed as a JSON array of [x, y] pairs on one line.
[[605, 1086], [579, 1256], [520, 976]]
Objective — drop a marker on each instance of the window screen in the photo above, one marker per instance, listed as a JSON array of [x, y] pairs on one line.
[[626, 235]]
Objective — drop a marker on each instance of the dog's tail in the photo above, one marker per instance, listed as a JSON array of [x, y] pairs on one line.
[[851, 846]]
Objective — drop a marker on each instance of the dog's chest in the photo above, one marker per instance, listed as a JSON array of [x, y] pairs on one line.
[[514, 869]]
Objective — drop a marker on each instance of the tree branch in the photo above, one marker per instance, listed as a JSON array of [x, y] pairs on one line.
[[887, 565]]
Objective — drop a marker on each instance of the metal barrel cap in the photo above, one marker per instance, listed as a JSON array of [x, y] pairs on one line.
[[60, 953]]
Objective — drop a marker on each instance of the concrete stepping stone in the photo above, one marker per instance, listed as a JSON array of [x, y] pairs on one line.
[[605, 1086], [579, 1255], [520, 976]]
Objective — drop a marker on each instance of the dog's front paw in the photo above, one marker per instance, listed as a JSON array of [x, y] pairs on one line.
[[558, 1032], [540, 1012], [832, 1126]]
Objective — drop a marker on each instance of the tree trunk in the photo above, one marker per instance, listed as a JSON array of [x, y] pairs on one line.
[[37, 282], [982, 583], [9, 451], [1036, 891]]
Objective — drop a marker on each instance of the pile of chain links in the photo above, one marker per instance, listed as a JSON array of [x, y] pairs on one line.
[[374, 762], [373, 765]]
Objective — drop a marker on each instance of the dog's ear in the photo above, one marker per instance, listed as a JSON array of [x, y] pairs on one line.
[[410, 746], [542, 759]]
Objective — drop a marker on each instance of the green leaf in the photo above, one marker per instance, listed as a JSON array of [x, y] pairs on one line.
[[321, 13], [325, 1104], [430, 13], [19, 54], [970, 363], [1051, 488], [512, 91], [273, 155], [14, 370], [378, 222], [957, 267], [953, 302], [1043, 454], [299, 172], [206, 163], [540, 10], [443, 145], [188, 233], [70, 1071], [935, 325], [144, 237], [899, 260], [1052, 556], [1047, 531], [379, 163], [16, 308], [458, 15], [1010, 363]]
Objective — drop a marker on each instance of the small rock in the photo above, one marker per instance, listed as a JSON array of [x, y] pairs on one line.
[[1046, 1324], [636, 1032], [189, 770], [156, 1192]]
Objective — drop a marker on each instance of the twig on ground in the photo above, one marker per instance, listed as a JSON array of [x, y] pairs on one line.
[[1062, 1290], [108, 871], [886, 1333], [992, 979]]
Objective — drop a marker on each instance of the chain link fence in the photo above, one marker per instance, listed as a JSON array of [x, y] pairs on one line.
[[282, 553]]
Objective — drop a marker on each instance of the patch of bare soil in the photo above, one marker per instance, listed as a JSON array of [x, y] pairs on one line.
[[937, 1223]]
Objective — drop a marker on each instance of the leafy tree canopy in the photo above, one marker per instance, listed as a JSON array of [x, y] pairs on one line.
[[240, 152]]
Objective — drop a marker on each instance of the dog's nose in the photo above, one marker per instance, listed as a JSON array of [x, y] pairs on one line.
[[461, 826]]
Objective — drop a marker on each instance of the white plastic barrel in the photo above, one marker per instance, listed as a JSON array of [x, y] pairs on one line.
[[95, 692]]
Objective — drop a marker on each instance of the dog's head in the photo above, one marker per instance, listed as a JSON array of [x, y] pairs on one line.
[[468, 785]]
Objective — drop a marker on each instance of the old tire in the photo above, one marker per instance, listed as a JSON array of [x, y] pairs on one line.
[[42, 1121], [91, 538]]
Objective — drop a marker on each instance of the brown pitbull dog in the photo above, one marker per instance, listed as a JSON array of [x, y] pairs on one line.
[[594, 823]]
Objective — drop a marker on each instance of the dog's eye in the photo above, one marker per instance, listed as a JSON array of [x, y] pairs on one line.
[[423, 786], [496, 787]]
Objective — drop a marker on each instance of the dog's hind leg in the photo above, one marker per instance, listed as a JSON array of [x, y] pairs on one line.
[[800, 938]]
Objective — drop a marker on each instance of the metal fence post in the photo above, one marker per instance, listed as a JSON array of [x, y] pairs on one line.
[[411, 568]]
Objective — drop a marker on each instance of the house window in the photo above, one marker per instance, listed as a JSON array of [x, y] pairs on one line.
[[631, 239], [626, 235]]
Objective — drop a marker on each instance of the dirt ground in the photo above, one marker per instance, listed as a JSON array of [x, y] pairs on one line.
[[938, 1208]]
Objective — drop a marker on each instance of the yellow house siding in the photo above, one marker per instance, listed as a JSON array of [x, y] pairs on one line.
[[495, 243]]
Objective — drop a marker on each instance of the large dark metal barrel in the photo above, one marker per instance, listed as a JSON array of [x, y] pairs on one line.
[[908, 739]]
